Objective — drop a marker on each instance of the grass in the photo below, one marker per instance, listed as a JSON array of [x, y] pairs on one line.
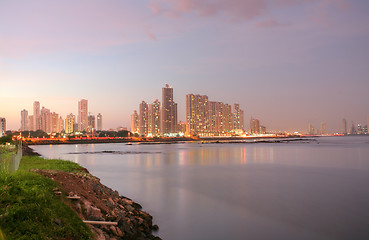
[[35, 162], [30, 210]]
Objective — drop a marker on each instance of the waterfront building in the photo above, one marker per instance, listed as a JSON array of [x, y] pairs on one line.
[[24, 120], [36, 116], [45, 119], [169, 112], [31, 124], [262, 129], [238, 117], [323, 128], [144, 119], [99, 122], [154, 118], [254, 126], [82, 115], [54, 122], [2, 126], [344, 126], [61, 124], [91, 123], [197, 114], [135, 122], [69, 123]]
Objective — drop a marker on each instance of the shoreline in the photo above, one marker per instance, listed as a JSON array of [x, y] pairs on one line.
[[130, 141], [93, 201]]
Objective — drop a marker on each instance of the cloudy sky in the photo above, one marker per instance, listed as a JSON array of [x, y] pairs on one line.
[[286, 62]]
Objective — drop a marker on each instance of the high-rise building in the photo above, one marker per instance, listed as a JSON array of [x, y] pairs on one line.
[[91, 123], [323, 128], [45, 119], [54, 122], [344, 126], [82, 115], [353, 129], [36, 116], [135, 122], [99, 122], [61, 124], [31, 124], [169, 112], [69, 122], [197, 114], [237, 117], [24, 120], [144, 119], [154, 118], [2, 126], [254, 126]]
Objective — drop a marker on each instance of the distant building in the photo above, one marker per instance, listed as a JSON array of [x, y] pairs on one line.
[[169, 111], [24, 120], [99, 122], [154, 118], [91, 123], [344, 126], [61, 124], [254, 126], [262, 129], [36, 116], [2, 126], [31, 124], [135, 122], [144, 119], [45, 119], [82, 115], [69, 124], [55, 123], [197, 114]]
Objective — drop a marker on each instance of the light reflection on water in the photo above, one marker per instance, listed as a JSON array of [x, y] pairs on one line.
[[240, 191]]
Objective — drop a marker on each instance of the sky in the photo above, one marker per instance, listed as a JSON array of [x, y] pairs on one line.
[[286, 62]]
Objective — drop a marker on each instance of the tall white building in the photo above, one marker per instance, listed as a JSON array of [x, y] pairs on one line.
[[154, 118], [82, 115], [69, 122], [99, 122], [2, 126], [36, 116], [168, 112], [24, 120], [135, 122]]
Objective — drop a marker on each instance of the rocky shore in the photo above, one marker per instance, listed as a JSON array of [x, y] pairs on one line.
[[96, 202]]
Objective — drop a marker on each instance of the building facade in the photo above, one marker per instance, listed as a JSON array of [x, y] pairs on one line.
[[197, 114], [169, 112], [99, 122], [135, 122], [154, 118], [36, 116], [144, 119], [2, 126], [24, 120], [82, 115]]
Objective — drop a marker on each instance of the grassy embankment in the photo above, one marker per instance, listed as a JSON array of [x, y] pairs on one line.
[[29, 208]]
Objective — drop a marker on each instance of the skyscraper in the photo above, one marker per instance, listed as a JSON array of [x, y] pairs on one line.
[[238, 117], [55, 122], [254, 126], [154, 118], [91, 123], [135, 122], [169, 111], [24, 120], [36, 116], [197, 114], [45, 119], [144, 119], [344, 126], [69, 122], [82, 115], [2, 126], [99, 122], [31, 123]]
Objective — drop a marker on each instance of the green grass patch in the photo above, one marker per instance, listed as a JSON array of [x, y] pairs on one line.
[[30, 210], [27, 163]]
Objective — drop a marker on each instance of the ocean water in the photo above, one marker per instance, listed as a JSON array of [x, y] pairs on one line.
[[314, 190]]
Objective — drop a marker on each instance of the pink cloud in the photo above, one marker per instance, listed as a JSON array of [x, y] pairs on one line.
[[269, 24]]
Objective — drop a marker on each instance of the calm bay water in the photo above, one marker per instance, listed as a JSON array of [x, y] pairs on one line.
[[317, 190]]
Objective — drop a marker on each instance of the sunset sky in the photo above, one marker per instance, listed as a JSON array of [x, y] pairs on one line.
[[286, 62]]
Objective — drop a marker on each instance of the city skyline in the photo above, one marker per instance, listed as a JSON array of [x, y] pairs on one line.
[[287, 63]]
